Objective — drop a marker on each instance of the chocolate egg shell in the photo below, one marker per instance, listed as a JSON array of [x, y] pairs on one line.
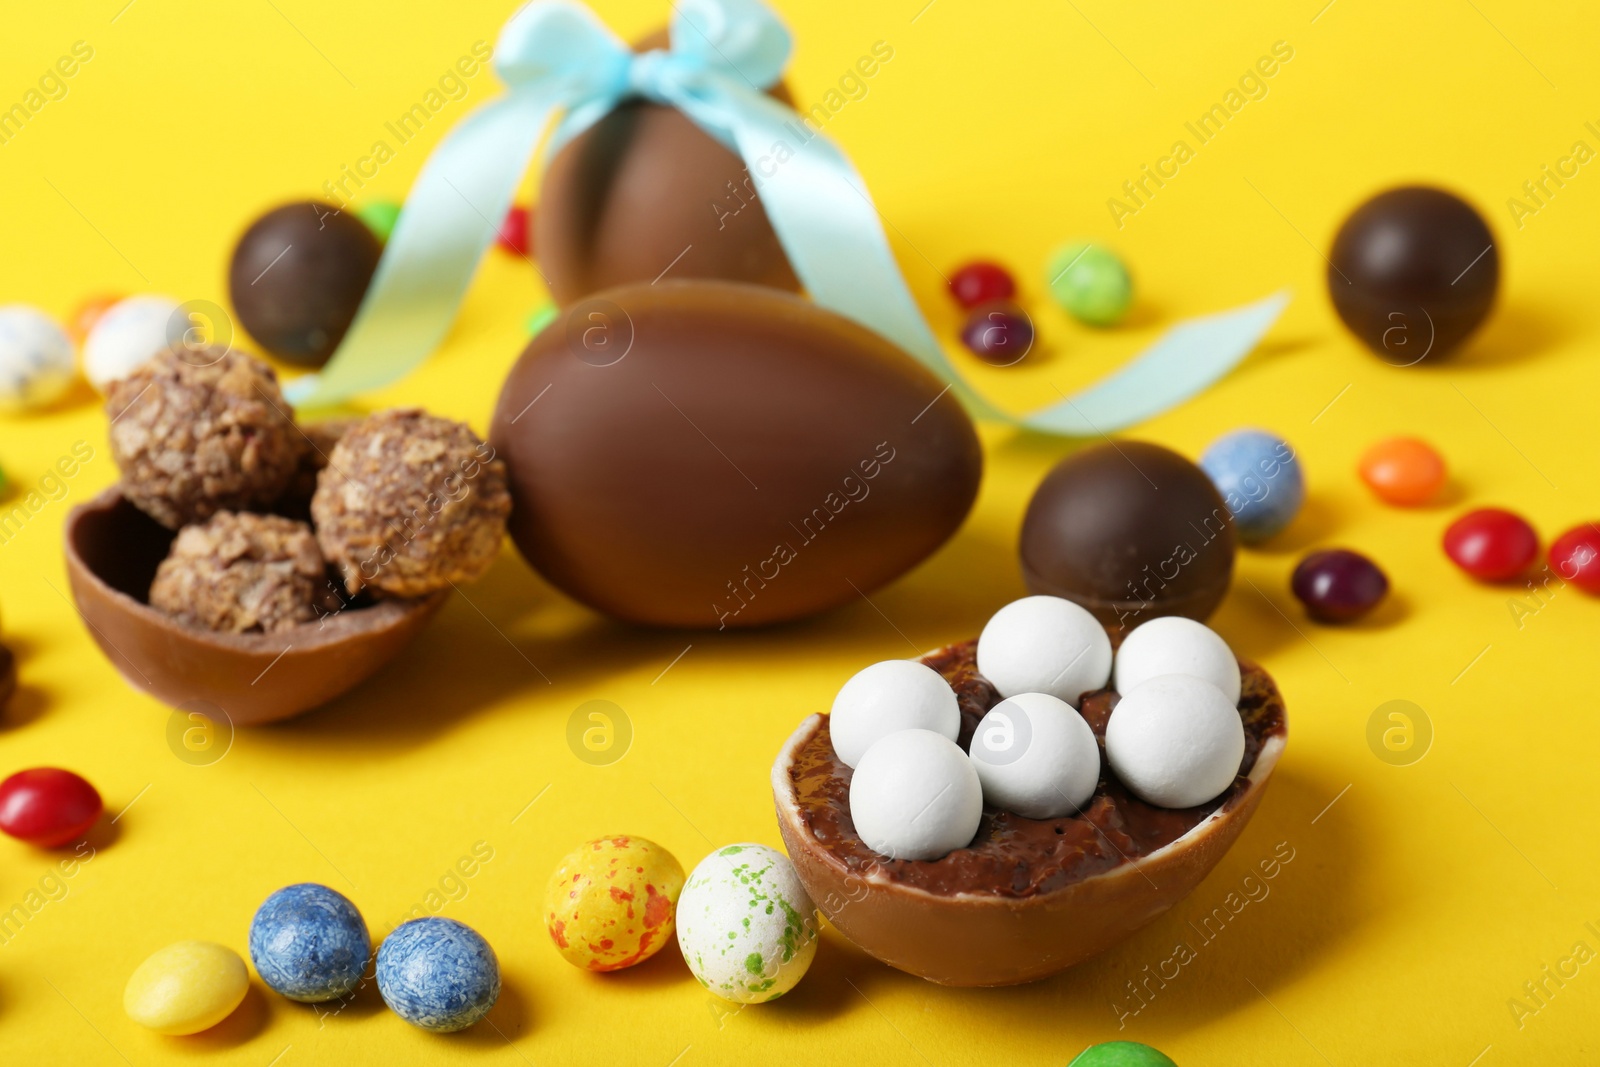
[[1131, 531], [644, 190], [298, 276], [1413, 272], [112, 550], [707, 454]]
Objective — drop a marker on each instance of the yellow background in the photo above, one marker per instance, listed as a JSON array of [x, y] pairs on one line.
[[1415, 907]]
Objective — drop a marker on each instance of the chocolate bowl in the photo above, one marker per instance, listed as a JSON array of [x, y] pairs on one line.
[[1027, 898], [112, 551]]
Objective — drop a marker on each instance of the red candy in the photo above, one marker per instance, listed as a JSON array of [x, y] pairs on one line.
[[1491, 545], [513, 235], [1575, 556], [47, 806], [980, 282]]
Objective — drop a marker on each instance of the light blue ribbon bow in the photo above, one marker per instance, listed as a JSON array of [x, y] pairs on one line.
[[556, 56]]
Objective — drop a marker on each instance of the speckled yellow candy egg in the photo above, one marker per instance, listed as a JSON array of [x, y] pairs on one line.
[[610, 903], [186, 987]]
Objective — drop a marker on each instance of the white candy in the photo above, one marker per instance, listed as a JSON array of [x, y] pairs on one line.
[[1175, 645], [130, 332], [746, 926], [915, 796], [1175, 741], [1036, 756], [1044, 644], [897, 694], [35, 358]]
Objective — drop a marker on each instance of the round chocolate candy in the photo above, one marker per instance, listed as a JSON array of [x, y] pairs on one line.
[[1413, 272], [1132, 531], [298, 276], [644, 193]]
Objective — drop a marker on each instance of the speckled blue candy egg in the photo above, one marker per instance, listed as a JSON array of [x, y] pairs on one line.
[[1259, 478], [309, 943], [438, 974]]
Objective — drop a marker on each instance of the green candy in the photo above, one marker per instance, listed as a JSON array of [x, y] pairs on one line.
[[542, 316], [1090, 283], [1121, 1054], [380, 217]]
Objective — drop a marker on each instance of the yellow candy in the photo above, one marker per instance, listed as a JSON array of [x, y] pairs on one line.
[[610, 903], [186, 987]]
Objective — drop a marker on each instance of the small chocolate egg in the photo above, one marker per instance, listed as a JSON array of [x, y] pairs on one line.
[[718, 455], [1413, 272], [645, 192], [298, 276], [1131, 531]]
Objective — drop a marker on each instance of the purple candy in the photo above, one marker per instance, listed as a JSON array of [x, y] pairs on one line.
[[1337, 585], [999, 333]]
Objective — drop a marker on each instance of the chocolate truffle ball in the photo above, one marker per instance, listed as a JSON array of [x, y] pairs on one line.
[[1131, 531], [1413, 272], [241, 573], [410, 504], [298, 276], [197, 431], [320, 438]]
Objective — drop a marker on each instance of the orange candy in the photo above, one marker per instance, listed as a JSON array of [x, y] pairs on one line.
[[1403, 471], [86, 314]]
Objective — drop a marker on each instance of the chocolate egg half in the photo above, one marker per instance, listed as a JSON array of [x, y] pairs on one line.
[[645, 192], [708, 454], [1131, 531]]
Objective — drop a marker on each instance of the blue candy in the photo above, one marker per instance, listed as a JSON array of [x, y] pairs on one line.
[[438, 974], [309, 943], [1260, 480]]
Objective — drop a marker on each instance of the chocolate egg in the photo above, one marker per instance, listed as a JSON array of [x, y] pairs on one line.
[[645, 192], [1413, 272], [708, 454], [298, 276], [1131, 531]]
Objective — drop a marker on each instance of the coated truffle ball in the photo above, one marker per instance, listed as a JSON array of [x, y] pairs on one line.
[[241, 573], [199, 431], [298, 276], [410, 504], [1132, 531]]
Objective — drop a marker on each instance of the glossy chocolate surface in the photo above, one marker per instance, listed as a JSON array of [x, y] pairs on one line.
[[1413, 272], [705, 454], [1131, 531]]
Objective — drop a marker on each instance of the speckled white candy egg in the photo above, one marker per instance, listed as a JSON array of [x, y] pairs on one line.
[[897, 694], [1176, 645], [129, 333], [35, 358], [745, 924]]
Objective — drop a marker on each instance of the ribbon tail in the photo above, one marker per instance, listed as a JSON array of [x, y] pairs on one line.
[[451, 216]]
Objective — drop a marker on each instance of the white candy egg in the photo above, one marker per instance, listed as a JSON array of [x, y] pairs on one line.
[[130, 332], [897, 694], [35, 358], [1036, 756], [915, 796], [1175, 645], [745, 924], [1044, 644], [1175, 741]]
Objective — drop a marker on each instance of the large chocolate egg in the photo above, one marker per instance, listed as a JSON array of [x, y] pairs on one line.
[[1131, 531], [298, 276], [708, 454], [645, 193], [1413, 272]]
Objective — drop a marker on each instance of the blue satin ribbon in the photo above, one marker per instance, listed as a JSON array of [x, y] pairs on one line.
[[555, 57]]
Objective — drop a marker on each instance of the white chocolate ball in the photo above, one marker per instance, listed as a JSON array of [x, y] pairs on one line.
[[1175, 741], [1044, 644], [915, 796], [1035, 756], [1176, 645], [35, 358], [128, 334], [897, 694]]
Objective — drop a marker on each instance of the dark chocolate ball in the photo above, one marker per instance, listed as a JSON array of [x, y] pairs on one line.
[[644, 193], [1132, 531], [1413, 272], [298, 276]]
